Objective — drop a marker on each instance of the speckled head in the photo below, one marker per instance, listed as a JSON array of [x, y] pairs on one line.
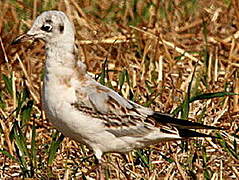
[[50, 26]]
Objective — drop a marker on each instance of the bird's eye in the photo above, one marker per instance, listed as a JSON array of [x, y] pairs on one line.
[[46, 27]]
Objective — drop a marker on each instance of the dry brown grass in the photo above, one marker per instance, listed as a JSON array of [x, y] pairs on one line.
[[159, 44]]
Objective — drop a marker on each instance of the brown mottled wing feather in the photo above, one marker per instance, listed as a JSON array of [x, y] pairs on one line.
[[122, 117], [119, 124]]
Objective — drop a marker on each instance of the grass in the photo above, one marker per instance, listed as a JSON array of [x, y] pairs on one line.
[[178, 57]]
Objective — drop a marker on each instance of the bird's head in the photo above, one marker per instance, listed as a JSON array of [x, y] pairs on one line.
[[49, 26]]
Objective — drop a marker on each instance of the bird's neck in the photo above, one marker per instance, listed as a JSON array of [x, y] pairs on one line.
[[61, 61], [60, 54]]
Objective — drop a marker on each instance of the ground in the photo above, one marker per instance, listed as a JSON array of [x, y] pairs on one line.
[[177, 57]]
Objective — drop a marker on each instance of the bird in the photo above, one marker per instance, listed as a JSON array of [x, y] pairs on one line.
[[88, 112]]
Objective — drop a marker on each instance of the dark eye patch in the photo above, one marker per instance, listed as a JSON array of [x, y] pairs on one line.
[[46, 27], [61, 28]]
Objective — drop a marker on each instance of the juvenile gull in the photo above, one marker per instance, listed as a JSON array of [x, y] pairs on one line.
[[89, 112]]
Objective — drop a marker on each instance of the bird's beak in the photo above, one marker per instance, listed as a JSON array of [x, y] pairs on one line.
[[22, 38]]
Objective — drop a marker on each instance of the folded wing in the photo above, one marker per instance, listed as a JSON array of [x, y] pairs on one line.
[[122, 117]]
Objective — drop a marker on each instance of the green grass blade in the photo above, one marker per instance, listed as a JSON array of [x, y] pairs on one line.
[[143, 158], [121, 79], [170, 160], [231, 151], [8, 84], [55, 144], [6, 153], [26, 112], [22, 99], [204, 97], [211, 95], [33, 149], [103, 74], [2, 101], [22, 162], [185, 108], [20, 140], [185, 104]]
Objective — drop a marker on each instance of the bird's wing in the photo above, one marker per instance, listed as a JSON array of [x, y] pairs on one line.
[[122, 117]]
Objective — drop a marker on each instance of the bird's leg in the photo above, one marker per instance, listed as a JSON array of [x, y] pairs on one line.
[[98, 167], [94, 167], [100, 170], [99, 163]]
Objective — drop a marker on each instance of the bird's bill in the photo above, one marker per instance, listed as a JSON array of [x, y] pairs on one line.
[[22, 38]]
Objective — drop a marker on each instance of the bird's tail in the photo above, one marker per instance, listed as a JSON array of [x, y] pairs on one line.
[[187, 133], [184, 126]]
